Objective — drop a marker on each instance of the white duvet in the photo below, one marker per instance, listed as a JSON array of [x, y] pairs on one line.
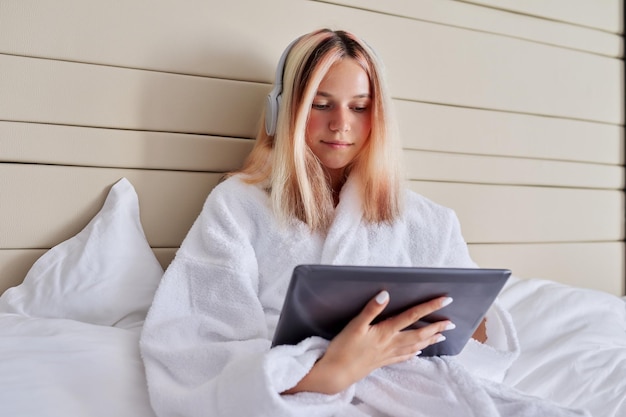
[[67, 368], [69, 341], [573, 352], [573, 345]]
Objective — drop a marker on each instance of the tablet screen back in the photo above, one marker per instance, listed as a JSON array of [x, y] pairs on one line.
[[322, 299]]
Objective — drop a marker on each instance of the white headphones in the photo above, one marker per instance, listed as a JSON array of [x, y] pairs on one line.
[[272, 101]]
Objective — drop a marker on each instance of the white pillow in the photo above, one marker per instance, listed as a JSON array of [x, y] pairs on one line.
[[107, 274]]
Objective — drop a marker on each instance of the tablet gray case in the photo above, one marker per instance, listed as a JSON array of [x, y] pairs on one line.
[[322, 299]]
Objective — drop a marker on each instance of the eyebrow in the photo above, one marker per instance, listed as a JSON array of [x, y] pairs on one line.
[[325, 94]]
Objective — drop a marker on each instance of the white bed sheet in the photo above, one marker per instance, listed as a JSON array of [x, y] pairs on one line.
[[573, 344], [66, 368]]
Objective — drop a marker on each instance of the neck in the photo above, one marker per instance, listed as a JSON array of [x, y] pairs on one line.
[[336, 178]]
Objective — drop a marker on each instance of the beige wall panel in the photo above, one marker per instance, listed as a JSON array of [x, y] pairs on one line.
[[205, 37], [43, 205], [165, 255], [593, 265], [474, 131], [200, 37], [484, 19], [71, 196], [463, 67], [159, 78], [516, 214], [14, 264], [473, 69], [437, 166], [45, 91], [599, 14], [131, 99], [49, 144]]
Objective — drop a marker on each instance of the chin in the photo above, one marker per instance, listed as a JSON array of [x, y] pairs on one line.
[[335, 167]]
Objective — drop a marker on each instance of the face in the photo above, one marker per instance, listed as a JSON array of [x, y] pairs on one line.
[[340, 120]]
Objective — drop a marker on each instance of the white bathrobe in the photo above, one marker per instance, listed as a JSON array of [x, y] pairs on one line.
[[206, 340]]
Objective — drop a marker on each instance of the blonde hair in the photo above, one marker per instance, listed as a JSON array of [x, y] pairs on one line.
[[295, 178]]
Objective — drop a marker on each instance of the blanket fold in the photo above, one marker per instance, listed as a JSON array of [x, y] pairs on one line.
[[443, 387], [492, 359]]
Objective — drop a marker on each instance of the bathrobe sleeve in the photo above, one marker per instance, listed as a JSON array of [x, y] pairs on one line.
[[205, 342]]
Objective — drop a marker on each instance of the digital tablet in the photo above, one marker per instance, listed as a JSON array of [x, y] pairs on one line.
[[322, 299]]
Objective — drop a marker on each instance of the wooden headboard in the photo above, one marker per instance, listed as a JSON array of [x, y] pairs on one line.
[[512, 113]]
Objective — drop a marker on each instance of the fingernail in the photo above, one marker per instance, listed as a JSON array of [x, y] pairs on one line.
[[446, 301], [441, 338], [382, 297], [450, 326], [419, 352]]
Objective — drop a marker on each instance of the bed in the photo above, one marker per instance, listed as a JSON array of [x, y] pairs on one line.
[[118, 118], [69, 333]]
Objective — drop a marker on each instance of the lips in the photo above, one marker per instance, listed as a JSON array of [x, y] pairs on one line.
[[337, 144]]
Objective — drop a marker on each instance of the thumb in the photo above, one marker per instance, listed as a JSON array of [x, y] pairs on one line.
[[372, 309]]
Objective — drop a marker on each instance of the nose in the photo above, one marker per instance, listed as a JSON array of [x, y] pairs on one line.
[[340, 121]]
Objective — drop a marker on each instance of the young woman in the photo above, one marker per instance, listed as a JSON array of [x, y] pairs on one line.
[[322, 185]]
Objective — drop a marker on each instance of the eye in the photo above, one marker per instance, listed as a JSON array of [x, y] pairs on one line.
[[320, 106], [360, 109]]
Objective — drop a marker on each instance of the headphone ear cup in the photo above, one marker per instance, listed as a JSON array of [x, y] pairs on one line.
[[272, 104], [271, 113]]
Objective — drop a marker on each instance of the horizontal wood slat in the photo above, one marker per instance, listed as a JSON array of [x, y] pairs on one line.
[[49, 204], [49, 144], [592, 265], [495, 21], [198, 37], [463, 130], [14, 264], [437, 166], [517, 214], [603, 15], [57, 92], [488, 213], [472, 69]]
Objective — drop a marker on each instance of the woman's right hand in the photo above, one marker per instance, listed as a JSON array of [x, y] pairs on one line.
[[362, 347]]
